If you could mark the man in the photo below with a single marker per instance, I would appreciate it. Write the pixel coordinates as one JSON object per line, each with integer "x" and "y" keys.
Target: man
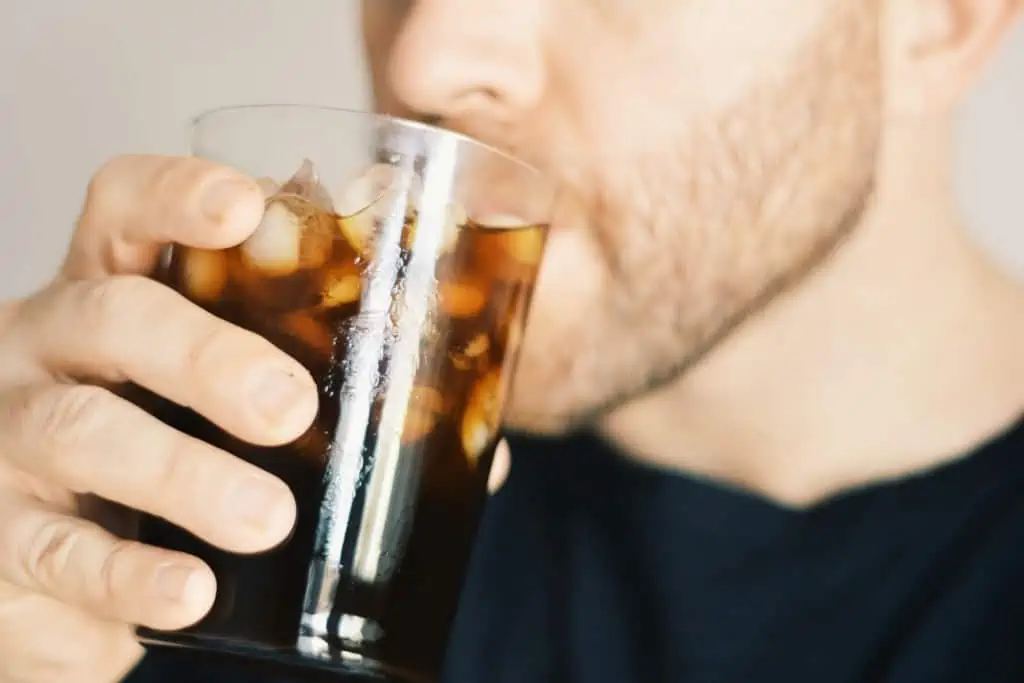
{"x": 768, "y": 400}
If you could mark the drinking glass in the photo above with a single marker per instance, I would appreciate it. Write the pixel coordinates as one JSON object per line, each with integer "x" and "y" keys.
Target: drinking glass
{"x": 396, "y": 262}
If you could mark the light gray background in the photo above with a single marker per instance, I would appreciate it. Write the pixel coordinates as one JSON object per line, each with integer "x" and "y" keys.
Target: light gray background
{"x": 85, "y": 79}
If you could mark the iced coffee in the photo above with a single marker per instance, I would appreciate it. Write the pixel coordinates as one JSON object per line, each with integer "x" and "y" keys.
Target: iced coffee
{"x": 408, "y": 312}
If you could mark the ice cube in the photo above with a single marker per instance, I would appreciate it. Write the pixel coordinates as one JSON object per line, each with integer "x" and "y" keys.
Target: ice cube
{"x": 312, "y": 333}
{"x": 418, "y": 424}
{"x": 341, "y": 287}
{"x": 305, "y": 183}
{"x": 456, "y": 218}
{"x": 275, "y": 248}
{"x": 205, "y": 273}
{"x": 466, "y": 357}
{"x": 367, "y": 199}
{"x": 477, "y": 346}
{"x": 480, "y": 421}
{"x": 293, "y": 234}
{"x": 425, "y": 406}
{"x": 461, "y": 299}
{"x": 523, "y": 241}
{"x": 525, "y": 246}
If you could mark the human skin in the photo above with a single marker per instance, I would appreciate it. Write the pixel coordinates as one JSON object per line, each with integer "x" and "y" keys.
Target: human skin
{"x": 757, "y": 272}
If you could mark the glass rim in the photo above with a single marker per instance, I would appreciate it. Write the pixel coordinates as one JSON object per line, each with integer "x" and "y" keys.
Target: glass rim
{"x": 196, "y": 121}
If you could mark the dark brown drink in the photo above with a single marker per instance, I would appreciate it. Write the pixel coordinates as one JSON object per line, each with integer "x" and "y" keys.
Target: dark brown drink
{"x": 391, "y": 478}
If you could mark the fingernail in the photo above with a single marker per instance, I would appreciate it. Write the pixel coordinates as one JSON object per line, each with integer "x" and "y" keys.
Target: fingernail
{"x": 277, "y": 394}
{"x": 220, "y": 198}
{"x": 173, "y": 581}
{"x": 261, "y": 503}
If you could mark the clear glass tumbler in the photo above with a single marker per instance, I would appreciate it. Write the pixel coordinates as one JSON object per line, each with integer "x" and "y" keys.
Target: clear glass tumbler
{"x": 396, "y": 261}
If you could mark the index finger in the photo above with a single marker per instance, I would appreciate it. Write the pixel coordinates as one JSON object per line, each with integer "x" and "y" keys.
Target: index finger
{"x": 135, "y": 205}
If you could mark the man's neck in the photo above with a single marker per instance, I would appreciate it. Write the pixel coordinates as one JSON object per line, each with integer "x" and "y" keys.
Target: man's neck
{"x": 901, "y": 353}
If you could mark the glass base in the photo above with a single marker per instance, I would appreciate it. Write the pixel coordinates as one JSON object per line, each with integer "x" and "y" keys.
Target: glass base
{"x": 334, "y": 665}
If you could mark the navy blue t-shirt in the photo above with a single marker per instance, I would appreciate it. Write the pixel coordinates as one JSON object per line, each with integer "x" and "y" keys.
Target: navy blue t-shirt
{"x": 591, "y": 569}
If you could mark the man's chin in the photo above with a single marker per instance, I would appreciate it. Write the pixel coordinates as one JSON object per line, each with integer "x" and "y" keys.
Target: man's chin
{"x": 534, "y": 418}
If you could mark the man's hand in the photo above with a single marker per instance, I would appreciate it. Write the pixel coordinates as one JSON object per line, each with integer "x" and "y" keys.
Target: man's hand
{"x": 70, "y": 592}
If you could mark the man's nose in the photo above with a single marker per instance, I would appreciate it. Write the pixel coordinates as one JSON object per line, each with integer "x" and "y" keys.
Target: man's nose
{"x": 474, "y": 62}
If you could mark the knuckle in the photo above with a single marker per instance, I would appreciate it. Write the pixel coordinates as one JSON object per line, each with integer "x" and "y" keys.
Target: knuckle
{"x": 107, "y": 176}
{"x": 181, "y": 178}
{"x": 210, "y": 344}
{"x": 9, "y": 312}
{"x": 176, "y": 473}
{"x": 75, "y": 413}
{"x": 22, "y": 334}
{"x": 111, "y": 582}
{"x": 114, "y": 298}
{"x": 105, "y": 188}
{"x": 65, "y": 417}
{"x": 111, "y": 308}
{"x": 140, "y": 183}
{"x": 50, "y": 553}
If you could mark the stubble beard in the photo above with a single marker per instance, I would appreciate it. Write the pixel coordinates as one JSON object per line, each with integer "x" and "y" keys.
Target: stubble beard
{"x": 696, "y": 241}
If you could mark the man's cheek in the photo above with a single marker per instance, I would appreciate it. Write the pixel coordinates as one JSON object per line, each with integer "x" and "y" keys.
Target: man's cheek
{"x": 717, "y": 61}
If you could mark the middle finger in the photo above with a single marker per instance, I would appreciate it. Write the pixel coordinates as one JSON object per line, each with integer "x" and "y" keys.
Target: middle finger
{"x": 91, "y": 441}
{"x": 133, "y": 328}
